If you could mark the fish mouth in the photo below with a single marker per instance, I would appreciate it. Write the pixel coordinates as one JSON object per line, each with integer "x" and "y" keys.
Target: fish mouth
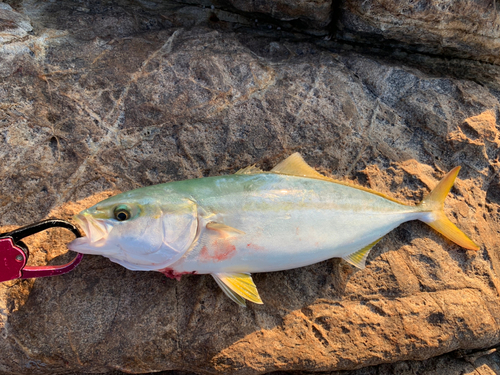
{"x": 96, "y": 233}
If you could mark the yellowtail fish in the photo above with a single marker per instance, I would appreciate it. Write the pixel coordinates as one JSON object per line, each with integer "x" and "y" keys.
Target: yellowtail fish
{"x": 252, "y": 221}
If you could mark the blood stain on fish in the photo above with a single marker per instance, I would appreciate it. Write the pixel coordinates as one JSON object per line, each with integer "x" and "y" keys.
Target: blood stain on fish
{"x": 171, "y": 274}
{"x": 221, "y": 249}
{"x": 255, "y": 247}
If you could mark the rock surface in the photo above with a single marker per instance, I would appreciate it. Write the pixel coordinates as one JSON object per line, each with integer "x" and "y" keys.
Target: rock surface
{"x": 463, "y": 28}
{"x": 484, "y": 362}
{"x": 314, "y": 13}
{"x": 100, "y": 98}
{"x": 14, "y": 25}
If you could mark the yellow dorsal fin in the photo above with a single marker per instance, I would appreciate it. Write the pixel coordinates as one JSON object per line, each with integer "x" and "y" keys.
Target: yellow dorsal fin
{"x": 237, "y": 285}
{"x": 223, "y": 228}
{"x": 251, "y": 169}
{"x": 294, "y": 165}
{"x": 358, "y": 258}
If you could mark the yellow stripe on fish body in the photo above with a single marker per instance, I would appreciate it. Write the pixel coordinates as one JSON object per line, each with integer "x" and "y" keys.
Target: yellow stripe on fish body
{"x": 253, "y": 221}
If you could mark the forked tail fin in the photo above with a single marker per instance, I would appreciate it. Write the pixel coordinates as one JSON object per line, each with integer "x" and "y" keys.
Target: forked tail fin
{"x": 434, "y": 203}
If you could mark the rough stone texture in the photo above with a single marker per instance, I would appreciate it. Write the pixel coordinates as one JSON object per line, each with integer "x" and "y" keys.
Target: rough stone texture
{"x": 310, "y": 15}
{"x": 13, "y": 25}
{"x": 105, "y": 97}
{"x": 480, "y": 363}
{"x": 315, "y": 13}
{"x": 463, "y": 28}
{"x": 483, "y": 362}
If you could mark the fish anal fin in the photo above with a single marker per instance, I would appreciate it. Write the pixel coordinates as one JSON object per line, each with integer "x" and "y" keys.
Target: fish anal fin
{"x": 238, "y": 287}
{"x": 251, "y": 169}
{"x": 219, "y": 227}
{"x": 358, "y": 258}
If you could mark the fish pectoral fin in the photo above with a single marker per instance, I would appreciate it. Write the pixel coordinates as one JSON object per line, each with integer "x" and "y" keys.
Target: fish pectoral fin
{"x": 251, "y": 169}
{"x": 296, "y": 166}
{"x": 223, "y": 228}
{"x": 238, "y": 287}
{"x": 358, "y": 258}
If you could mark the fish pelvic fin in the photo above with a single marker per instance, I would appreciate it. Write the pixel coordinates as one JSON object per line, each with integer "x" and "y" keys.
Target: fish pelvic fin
{"x": 434, "y": 203}
{"x": 238, "y": 287}
{"x": 358, "y": 258}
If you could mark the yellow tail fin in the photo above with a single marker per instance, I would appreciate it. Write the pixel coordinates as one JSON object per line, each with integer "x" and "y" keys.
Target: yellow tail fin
{"x": 434, "y": 203}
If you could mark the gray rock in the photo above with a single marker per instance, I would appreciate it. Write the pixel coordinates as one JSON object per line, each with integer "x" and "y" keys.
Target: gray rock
{"x": 465, "y": 28}
{"x": 307, "y": 14}
{"x": 315, "y": 13}
{"x": 13, "y": 25}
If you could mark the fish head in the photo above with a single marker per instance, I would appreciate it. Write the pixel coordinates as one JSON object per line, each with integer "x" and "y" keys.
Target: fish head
{"x": 138, "y": 230}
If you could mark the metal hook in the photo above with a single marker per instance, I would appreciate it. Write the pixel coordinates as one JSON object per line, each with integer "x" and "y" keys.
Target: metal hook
{"x": 14, "y": 253}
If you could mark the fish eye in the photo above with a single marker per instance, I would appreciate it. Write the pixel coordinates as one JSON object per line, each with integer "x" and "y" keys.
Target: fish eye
{"x": 122, "y": 213}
